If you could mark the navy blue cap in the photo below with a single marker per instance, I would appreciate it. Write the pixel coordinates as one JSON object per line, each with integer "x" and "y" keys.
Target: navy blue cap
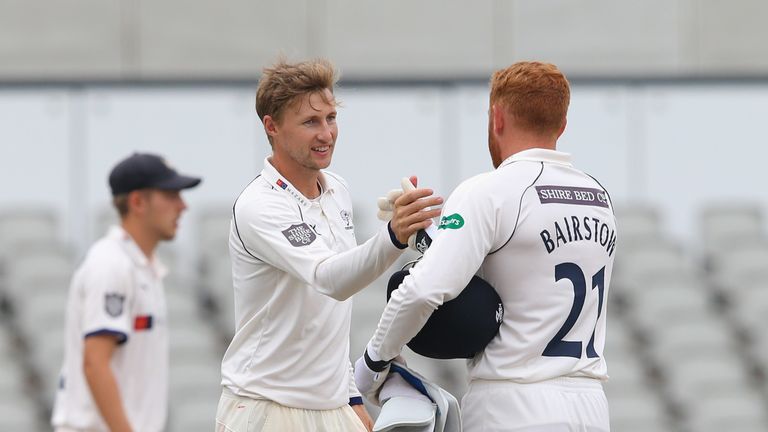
{"x": 143, "y": 171}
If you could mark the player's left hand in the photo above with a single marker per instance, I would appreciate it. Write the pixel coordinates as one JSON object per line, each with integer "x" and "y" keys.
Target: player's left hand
{"x": 368, "y": 381}
{"x": 386, "y": 204}
{"x": 364, "y": 416}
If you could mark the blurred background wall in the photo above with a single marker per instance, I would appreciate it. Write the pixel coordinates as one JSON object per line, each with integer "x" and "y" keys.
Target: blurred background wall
{"x": 678, "y": 145}
{"x": 398, "y": 39}
{"x": 668, "y": 98}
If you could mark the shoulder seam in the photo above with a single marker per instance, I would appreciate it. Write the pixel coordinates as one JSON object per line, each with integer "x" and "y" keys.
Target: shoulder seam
{"x": 520, "y": 206}
{"x": 338, "y": 179}
{"x": 604, "y": 190}
{"x": 234, "y": 220}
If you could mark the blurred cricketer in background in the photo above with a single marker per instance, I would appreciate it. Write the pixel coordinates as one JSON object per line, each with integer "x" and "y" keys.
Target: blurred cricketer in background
{"x": 115, "y": 373}
{"x": 543, "y": 234}
{"x": 295, "y": 265}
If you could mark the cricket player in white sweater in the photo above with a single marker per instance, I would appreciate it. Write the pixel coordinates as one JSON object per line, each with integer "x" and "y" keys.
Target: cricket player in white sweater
{"x": 295, "y": 265}
{"x": 543, "y": 234}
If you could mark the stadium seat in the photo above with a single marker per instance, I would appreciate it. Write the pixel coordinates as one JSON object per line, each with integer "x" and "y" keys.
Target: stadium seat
{"x": 748, "y": 305}
{"x": 638, "y": 224}
{"x": 38, "y": 268}
{"x": 11, "y": 375}
{"x": 693, "y": 379}
{"x": 726, "y": 224}
{"x": 637, "y": 412}
{"x": 742, "y": 411}
{"x": 195, "y": 342}
{"x": 748, "y": 260}
{"x": 20, "y": 414}
{"x": 194, "y": 381}
{"x": 213, "y": 230}
{"x": 27, "y": 225}
{"x": 216, "y": 282}
{"x": 668, "y": 301}
{"x": 43, "y": 313}
{"x": 627, "y": 374}
{"x": 193, "y": 415}
{"x": 182, "y": 301}
{"x": 46, "y": 359}
{"x": 657, "y": 260}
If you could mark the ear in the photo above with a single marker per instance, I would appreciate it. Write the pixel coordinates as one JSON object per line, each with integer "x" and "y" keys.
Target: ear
{"x": 562, "y": 128}
{"x": 137, "y": 202}
{"x": 497, "y": 119}
{"x": 270, "y": 126}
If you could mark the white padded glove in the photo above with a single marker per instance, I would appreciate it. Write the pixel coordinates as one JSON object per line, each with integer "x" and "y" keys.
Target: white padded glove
{"x": 387, "y": 204}
{"x": 422, "y": 239}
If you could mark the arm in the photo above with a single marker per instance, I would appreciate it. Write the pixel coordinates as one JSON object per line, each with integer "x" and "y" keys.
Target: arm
{"x": 106, "y": 322}
{"x": 269, "y": 232}
{"x": 356, "y": 401}
{"x": 369, "y": 263}
{"x": 98, "y": 373}
{"x": 467, "y": 235}
{"x": 365, "y": 418}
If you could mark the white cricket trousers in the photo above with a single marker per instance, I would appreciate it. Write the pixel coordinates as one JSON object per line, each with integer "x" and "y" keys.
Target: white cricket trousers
{"x": 558, "y": 405}
{"x": 242, "y": 414}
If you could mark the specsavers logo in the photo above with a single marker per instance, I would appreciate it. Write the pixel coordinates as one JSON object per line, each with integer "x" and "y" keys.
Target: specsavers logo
{"x": 454, "y": 221}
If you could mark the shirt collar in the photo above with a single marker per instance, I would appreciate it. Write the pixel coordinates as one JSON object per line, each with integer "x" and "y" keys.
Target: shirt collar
{"x": 279, "y": 182}
{"x": 134, "y": 251}
{"x": 539, "y": 155}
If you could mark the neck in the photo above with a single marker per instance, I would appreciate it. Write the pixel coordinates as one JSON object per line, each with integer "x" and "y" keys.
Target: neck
{"x": 521, "y": 141}
{"x": 146, "y": 242}
{"x": 305, "y": 180}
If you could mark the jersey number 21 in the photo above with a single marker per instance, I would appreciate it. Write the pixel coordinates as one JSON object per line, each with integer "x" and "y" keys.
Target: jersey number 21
{"x": 558, "y": 347}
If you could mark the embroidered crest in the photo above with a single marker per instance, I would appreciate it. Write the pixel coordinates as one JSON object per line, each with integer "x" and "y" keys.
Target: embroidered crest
{"x": 113, "y": 304}
{"x": 347, "y": 218}
{"x": 299, "y": 235}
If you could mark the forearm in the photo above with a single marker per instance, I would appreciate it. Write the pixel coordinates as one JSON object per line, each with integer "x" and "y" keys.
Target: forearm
{"x": 344, "y": 274}
{"x": 363, "y": 415}
{"x": 405, "y": 314}
{"x": 106, "y": 395}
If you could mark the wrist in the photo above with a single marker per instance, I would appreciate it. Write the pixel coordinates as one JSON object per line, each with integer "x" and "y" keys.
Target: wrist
{"x": 374, "y": 363}
{"x": 393, "y": 237}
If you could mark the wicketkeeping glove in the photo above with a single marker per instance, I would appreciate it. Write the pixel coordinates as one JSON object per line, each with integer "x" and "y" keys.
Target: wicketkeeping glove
{"x": 386, "y": 204}
{"x": 422, "y": 239}
{"x": 370, "y": 376}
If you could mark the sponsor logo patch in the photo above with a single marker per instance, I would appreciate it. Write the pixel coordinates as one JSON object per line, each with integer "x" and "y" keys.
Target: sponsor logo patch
{"x": 423, "y": 241}
{"x": 572, "y": 195}
{"x": 282, "y": 184}
{"x": 454, "y": 221}
{"x": 113, "y": 304}
{"x": 299, "y": 235}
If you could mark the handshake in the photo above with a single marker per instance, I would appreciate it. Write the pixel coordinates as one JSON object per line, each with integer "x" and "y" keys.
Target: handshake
{"x": 421, "y": 231}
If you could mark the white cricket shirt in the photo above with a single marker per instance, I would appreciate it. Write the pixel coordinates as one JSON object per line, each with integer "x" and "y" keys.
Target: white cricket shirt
{"x": 295, "y": 263}
{"x": 543, "y": 234}
{"x": 117, "y": 290}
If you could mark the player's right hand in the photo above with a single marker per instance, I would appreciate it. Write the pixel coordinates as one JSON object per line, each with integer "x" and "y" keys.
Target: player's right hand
{"x": 413, "y": 210}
